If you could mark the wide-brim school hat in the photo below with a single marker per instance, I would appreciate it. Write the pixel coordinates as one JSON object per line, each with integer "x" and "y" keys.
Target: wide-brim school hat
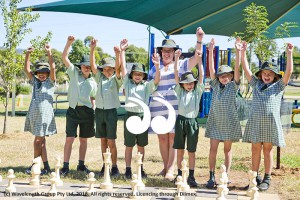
{"x": 85, "y": 60}
{"x": 187, "y": 77}
{"x": 168, "y": 43}
{"x": 224, "y": 69}
{"x": 269, "y": 66}
{"x": 107, "y": 62}
{"x": 139, "y": 68}
{"x": 42, "y": 67}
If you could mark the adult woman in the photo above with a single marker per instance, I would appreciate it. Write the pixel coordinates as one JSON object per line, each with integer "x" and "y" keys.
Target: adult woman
{"x": 165, "y": 91}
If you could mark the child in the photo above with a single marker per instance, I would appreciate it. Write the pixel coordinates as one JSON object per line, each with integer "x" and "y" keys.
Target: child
{"x": 107, "y": 103}
{"x": 137, "y": 86}
{"x": 81, "y": 90}
{"x": 40, "y": 119}
{"x": 264, "y": 129}
{"x": 189, "y": 91}
{"x": 223, "y": 122}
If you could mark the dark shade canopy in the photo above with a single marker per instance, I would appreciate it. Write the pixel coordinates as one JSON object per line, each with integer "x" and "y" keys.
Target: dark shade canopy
{"x": 217, "y": 17}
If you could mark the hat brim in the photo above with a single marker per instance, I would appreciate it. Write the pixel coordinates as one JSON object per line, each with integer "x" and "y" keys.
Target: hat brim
{"x": 189, "y": 81}
{"x": 82, "y": 63}
{"x": 145, "y": 77}
{"x": 257, "y": 73}
{"x": 171, "y": 47}
{"x": 106, "y": 65}
{"x": 221, "y": 73}
{"x": 44, "y": 70}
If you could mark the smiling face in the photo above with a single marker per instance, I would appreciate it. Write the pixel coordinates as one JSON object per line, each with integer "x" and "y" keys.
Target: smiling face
{"x": 225, "y": 78}
{"x": 267, "y": 76}
{"x": 167, "y": 55}
{"x": 42, "y": 76}
{"x": 137, "y": 77}
{"x": 86, "y": 70}
{"x": 188, "y": 86}
{"x": 108, "y": 71}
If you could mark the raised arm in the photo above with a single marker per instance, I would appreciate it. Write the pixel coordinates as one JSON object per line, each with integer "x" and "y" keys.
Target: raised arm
{"x": 65, "y": 58}
{"x": 245, "y": 64}
{"x": 289, "y": 63}
{"x": 27, "y": 63}
{"x": 51, "y": 62}
{"x": 177, "y": 56}
{"x": 199, "y": 34}
{"x": 198, "y": 55}
{"x": 117, "y": 64}
{"x": 156, "y": 62}
{"x": 238, "y": 47}
{"x": 92, "y": 56}
{"x": 123, "y": 47}
{"x": 211, "y": 62}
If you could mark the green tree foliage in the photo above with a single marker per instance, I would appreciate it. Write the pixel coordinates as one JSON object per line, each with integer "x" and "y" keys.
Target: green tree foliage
{"x": 257, "y": 23}
{"x": 136, "y": 55}
{"x": 38, "y": 44}
{"x": 16, "y": 27}
{"x": 78, "y": 50}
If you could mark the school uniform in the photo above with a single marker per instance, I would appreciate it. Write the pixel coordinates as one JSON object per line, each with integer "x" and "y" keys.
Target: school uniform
{"x": 223, "y": 122}
{"x": 264, "y": 124}
{"x": 40, "y": 119}
{"x": 186, "y": 126}
{"x": 80, "y": 111}
{"x": 141, "y": 91}
{"x": 107, "y": 103}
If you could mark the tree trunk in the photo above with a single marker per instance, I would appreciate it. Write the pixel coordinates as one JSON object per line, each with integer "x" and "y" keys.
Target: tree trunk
{"x": 6, "y": 112}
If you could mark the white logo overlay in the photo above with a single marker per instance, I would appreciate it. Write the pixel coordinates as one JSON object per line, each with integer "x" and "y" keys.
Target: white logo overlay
{"x": 159, "y": 124}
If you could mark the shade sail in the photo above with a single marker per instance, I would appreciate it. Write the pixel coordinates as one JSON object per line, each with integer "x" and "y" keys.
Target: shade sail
{"x": 217, "y": 17}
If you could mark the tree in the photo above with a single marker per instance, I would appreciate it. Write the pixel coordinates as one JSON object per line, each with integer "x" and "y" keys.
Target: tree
{"x": 256, "y": 19}
{"x": 11, "y": 62}
{"x": 136, "y": 55}
{"x": 78, "y": 50}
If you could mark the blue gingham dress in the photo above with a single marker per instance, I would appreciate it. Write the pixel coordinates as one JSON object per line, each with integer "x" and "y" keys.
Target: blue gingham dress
{"x": 223, "y": 122}
{"x": 165, "y": 90}
{"x": 40, "y": 119}
{"x": 264, "y": 124}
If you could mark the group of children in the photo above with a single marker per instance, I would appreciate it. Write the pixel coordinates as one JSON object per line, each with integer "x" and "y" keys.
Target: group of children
{"x": 96, "y": 99}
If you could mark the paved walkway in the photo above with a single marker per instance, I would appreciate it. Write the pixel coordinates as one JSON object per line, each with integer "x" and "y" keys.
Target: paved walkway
{"x": 77, "y": 191}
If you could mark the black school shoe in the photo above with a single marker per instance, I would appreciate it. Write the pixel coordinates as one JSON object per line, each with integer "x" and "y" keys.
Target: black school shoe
{"x": 192, "y": 182}
{"x": 265, "y": 184}
{"x": 210, "y": 184}
{"x": 46, "y": 171}
{"x": 114, "y": 172}
{"x": 83, "y": 168}
{"x": 258, "y": 181}
{"x": 101, "y": 173}
{"x": 128, "y": 173}
{"x": 64, "y": 171}
{"x": 143, "y": 173}
{"x": 28, "y": 170}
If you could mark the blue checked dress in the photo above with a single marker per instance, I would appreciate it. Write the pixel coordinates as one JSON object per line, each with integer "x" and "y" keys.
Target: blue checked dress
{"x": 40, "y": 119}
{"x": 223, "y": 122}
{"x": 264, "y": 124}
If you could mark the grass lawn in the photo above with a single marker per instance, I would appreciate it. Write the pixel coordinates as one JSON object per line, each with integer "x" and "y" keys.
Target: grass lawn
{"x": 16, "y": 149}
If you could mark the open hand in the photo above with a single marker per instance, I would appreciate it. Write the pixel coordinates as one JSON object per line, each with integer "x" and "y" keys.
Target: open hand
{"x": 123, "y": 44}
{"x": 156, "y": 58}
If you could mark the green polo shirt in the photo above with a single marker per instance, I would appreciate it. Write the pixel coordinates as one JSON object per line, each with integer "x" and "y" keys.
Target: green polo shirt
{"x": 107, "y": 96}
{"x": 80, "y": 89}
{"x": 189, "y": 102}
{"x": 141, "y": 91}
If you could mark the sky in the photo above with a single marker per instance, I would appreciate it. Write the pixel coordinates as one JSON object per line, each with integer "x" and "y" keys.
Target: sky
{"x": 108, "y": 31}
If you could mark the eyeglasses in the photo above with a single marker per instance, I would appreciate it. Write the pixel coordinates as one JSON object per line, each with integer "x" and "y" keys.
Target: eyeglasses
{"x": 167, "y": 51}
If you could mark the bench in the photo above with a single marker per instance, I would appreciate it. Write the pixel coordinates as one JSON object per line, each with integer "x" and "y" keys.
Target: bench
{"x": 59, "y": 94}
